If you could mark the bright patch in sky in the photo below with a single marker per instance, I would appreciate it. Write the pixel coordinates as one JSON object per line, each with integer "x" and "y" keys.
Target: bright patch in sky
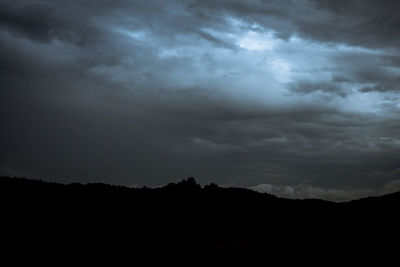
{"x": 256, "y": 41}
{"x": 137, "y": 35}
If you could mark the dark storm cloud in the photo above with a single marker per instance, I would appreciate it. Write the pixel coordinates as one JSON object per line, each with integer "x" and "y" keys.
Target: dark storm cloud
{"x": 370, "y": 23}
{"x": 214, "y": 40}
{"x": 365, "y": 23}
{"x": 306, "y": 87}
{"x": 379, "y": 72}
{"x": 45, "y": 22}
{"x": 276, "y": 93}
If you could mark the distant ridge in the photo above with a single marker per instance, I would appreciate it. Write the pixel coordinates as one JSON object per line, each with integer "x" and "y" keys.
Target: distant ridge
{"x": 186, "y": 185}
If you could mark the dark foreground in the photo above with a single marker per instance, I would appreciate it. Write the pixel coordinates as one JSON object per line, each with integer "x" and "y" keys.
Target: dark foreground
{"x": 103, "y": 222}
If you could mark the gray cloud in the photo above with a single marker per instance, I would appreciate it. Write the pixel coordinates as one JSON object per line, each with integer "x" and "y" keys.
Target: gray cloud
{"x": 307, "y": 87}
{"x": 46, "y": 22}
{"x": 233, "y": 92}
{"x": 369, "y": 23}
{"x": 361, "y": 23}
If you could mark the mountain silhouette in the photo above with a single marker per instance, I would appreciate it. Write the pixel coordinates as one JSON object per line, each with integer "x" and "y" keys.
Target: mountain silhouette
{"x": 100, "y": 220}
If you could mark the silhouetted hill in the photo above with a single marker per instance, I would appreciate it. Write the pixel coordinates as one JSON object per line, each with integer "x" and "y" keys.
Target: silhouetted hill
{"x": 106, "y": 221}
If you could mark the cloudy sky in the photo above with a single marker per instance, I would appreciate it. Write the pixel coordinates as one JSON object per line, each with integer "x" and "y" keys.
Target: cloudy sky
{"x": 295, "y": 97}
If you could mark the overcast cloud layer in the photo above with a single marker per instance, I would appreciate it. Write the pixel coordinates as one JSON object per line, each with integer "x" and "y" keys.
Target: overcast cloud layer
{"x": 241, "y": 93}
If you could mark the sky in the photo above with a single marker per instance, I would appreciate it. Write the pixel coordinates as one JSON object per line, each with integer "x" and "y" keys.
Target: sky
{"x": 300, "y": 98}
